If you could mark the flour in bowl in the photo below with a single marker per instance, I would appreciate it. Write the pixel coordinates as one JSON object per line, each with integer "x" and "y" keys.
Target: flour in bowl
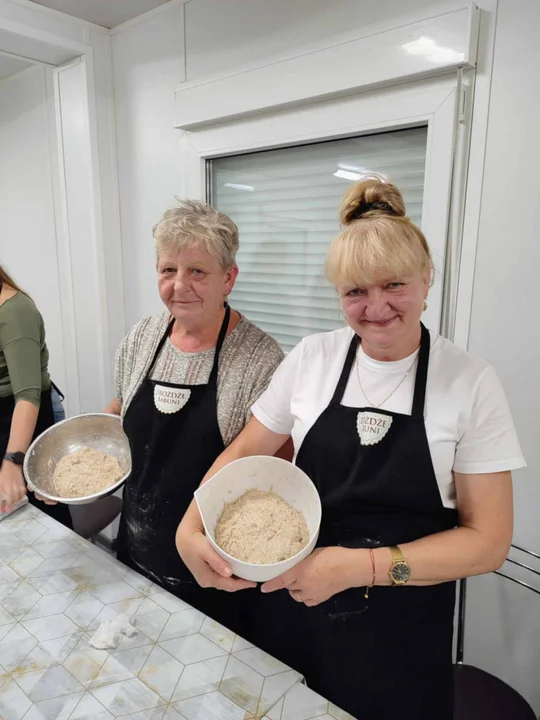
{"x": 260, "y": 527}
{"x": 86, "y": 472}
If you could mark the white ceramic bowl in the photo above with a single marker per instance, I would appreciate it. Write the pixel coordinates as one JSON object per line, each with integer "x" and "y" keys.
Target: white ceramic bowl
{"x": 98, "y": 431}
{"x": 260, "y": 472}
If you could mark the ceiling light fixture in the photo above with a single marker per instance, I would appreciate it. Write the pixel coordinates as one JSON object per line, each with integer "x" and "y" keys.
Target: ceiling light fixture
{"x": 238, "y": 186}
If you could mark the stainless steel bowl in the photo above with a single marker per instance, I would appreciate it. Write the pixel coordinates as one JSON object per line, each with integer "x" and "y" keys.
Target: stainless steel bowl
{"x": 98, "y": 431}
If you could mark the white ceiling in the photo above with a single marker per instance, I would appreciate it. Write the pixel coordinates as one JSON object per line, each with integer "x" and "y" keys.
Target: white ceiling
{"x": 11, "y": 66}
{"x": 107, "y": 13}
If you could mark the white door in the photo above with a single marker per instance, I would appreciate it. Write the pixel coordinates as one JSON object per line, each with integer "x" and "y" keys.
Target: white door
{"x": 28, "y": 246}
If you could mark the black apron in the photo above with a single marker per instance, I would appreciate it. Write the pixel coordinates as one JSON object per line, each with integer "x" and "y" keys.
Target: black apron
{"x": 170, "y": 454}
{"x": 45, "y": 420}
{"x": 389, "y": 655}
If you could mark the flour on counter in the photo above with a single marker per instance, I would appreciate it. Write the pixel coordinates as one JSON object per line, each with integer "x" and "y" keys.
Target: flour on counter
{"x": 110, "y": 632}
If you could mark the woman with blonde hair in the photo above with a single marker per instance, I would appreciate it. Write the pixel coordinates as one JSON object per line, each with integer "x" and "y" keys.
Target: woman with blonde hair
{"x": 186, "y": 380}
{"x": 410, "y": 442}
{"x": 25, "y": 392}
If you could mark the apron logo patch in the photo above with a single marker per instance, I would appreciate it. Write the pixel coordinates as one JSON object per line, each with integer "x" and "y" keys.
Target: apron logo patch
{"x": 372, "y": 427}
{"x": 170, "y": 400}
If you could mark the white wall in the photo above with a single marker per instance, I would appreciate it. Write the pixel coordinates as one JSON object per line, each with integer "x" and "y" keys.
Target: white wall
{"x": 27, "y": 220}
{"x": 83, "y": 293}
{"x": 504, "y": 320}
{"x": 148, "y": 61}
{"x": 503, "y": 626}
{"x": 221, "y": 36}
{"x": 107, "y": 231}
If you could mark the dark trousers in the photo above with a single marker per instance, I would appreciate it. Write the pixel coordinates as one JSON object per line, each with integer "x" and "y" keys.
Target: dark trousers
{"x": 45, "y": 420}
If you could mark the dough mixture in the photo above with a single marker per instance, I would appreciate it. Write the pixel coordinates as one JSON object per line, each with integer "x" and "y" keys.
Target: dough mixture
{"x": 260, "y": 527}
{"x": 85, "y": 472}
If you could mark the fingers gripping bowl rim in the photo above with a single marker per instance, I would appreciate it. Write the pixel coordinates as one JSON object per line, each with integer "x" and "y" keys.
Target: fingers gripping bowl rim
{"x": 260, "y": 472}
{"x": 98, "y": 431}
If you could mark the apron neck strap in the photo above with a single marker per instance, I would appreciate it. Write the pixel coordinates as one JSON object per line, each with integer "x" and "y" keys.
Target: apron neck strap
{"x": 347, "y": 367}
{"x": 420, "y": 383}
{"x": 219, "y": 344}
{"x": 160, "y": 346}
{"x": 221, "y": 338}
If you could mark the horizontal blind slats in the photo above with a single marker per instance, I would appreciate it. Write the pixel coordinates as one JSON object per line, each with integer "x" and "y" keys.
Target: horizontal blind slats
{"x": 286, "y": 204}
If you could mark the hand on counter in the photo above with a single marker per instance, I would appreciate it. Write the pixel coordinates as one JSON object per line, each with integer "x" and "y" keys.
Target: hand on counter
{"x": 324, "y": 573}
{"x": 12, "y": 486}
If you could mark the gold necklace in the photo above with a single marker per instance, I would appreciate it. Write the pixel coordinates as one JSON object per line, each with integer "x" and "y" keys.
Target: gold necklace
{"x": 400, "y": 383}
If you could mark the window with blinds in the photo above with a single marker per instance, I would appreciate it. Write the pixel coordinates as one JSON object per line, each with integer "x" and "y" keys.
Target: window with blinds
{"x": 285, "y": 203}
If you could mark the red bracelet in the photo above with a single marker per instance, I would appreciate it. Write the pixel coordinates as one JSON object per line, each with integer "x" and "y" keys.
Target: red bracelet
{"x": 372, "y": 558}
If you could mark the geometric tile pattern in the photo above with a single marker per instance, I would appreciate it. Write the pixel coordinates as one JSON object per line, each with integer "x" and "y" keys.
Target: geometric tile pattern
{"x": 56, "y": 589}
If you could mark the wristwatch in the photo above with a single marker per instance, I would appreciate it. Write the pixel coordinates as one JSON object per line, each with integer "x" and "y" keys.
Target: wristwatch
{"x": 15, "y": 457}
{"x": 400, "y": 572}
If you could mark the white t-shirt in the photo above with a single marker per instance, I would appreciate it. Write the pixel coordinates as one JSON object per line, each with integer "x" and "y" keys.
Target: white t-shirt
{"x": 468, "y": 421}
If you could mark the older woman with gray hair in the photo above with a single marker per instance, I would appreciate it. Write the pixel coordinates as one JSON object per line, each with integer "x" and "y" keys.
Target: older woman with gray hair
{"x": 186, "y": 380}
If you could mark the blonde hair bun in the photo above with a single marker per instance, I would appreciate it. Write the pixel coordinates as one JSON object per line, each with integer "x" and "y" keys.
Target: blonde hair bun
{"x": 371, "y": 198}
{"x": 377, "y": 241}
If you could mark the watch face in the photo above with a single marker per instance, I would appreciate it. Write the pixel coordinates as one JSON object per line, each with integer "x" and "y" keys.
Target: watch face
{"x": 401, "y": 572}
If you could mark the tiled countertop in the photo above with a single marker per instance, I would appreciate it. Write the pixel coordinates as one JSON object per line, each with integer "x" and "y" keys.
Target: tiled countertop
{"x": 56, "y": 589}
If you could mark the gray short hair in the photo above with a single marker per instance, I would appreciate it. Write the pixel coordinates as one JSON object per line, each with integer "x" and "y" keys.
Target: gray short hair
{"x": 191, "y": 222}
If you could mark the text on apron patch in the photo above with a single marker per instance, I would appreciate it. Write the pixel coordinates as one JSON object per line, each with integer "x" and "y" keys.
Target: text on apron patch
{"x": 372, "y": 427}
{"x": 170, "y": 400}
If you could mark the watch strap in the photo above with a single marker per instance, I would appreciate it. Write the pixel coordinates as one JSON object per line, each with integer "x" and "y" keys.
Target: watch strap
{"x": 15, "y": 457}
{"x": 397, "y": 555}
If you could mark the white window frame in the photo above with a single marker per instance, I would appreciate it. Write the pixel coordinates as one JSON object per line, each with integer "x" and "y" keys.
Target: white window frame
{"x": 433, "y": 103}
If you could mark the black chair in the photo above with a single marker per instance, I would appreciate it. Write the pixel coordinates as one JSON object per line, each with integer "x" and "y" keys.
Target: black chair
{"x": 481, "y": 696}
{"x": 89, "y": 520}
{"x": 478, "y": 695}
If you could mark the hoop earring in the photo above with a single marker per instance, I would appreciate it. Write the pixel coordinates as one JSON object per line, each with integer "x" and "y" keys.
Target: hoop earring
{"x": 425, "y": 305}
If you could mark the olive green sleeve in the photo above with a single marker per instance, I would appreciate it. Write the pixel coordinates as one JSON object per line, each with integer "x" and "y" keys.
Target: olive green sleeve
{"x": 20, "y": 343}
